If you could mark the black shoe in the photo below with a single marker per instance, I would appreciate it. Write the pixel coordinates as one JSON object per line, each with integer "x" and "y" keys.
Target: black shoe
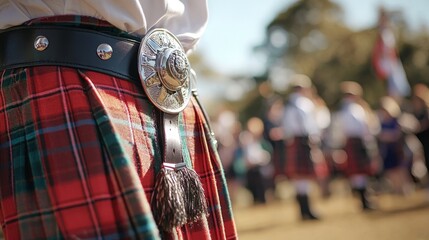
{"x": 366, "y": 204}
{"x": 309, "y": 216}
{"x": 306, "y": 213}
{"x": 368, "y": 207}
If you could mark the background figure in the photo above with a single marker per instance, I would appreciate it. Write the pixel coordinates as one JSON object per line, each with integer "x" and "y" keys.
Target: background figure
{"x": 323, "y": 121}
{"x": 355, "y": 127}
{"x": 273, "y": 132}
{"x": 257, "y": 157}
{"x": 391, "y": 141}
{"x": 228, "y": 129}
{"x": 303, "y": 138}
{"x": 420, "y": 109}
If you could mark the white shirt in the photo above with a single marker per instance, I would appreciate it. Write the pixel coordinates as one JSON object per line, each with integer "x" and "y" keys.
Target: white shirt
{"x": 353, "y": 120}
{"x": 187, "y": 19}
{"x": 300, "y": 117}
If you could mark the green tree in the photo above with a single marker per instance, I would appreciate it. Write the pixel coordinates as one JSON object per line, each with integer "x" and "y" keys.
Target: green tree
{"x": 321, "y": 46}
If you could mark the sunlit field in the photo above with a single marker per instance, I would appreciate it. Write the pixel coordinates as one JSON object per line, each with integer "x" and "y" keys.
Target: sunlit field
{"x": 396, "y": 217}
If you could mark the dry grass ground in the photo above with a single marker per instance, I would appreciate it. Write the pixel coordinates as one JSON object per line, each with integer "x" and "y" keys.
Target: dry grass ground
{"x": 397, "y": 217}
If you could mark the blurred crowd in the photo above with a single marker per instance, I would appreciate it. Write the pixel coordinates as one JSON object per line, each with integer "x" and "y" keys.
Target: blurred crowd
{"x": 300, "y": 140}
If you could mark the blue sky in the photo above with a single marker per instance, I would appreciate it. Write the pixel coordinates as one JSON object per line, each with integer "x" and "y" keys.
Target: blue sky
{"x": 235, "y": 26}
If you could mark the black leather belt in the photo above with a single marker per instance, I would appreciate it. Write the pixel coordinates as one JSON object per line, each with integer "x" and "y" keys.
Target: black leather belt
{"x": 69, "y": 47}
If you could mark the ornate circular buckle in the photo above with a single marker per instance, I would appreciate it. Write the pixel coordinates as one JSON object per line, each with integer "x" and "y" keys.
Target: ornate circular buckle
{"x": 164, "y": 71}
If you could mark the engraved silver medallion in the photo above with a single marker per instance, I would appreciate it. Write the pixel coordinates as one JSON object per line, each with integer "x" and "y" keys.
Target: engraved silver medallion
{"x": 164, "y": 71}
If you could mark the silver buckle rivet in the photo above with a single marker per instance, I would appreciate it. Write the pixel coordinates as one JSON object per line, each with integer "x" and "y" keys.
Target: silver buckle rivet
{"x": 104, "y": 51}
{"x": 41, "y": 43}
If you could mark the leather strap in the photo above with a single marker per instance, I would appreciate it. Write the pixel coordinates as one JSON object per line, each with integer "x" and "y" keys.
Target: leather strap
{"x": 69, "y": 47}
{"x": 172, "y": 144}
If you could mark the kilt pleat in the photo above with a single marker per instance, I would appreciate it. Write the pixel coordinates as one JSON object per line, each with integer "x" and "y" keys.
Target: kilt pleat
{"x": 298, "y": 160}
{"x": 303, "y": 160}
{"x": 358, "y": 160}
{"x": 79, "y": 154}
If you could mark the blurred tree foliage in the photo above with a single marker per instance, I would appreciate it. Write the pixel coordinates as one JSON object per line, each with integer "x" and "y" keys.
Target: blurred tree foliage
{"x": 316, "y": 42}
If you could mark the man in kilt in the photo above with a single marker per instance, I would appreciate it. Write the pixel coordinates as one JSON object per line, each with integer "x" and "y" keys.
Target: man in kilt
{"x": 304, "y": 161}
{"x": 355, "y": 127}
{"x": 85, "y": 152}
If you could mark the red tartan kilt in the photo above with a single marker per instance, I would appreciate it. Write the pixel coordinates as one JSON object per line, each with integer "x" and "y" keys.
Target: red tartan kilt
{"x": 278, "y": 157}
{"x": 78, "y": 158}
{"x": 303, "y": 161}
{"x": 357, "y": 158}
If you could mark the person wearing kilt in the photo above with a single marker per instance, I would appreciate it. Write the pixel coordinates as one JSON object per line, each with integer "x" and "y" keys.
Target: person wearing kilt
{"x": 357, "y": 126}
{"x": 86, "y": 150}
{"x": 304, "y": 160}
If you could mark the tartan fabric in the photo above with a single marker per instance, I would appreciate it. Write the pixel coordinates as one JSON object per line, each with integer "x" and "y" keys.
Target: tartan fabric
{"x": 278, "y": 157}
{"x": 300, "y": 162}
{"x": 358, "y": 160}
{"x": 79, "y": 154}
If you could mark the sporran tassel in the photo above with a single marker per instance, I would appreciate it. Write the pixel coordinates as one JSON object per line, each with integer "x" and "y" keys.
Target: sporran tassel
{"x": 168, "y": 202}
{"x": 195, "y": 201}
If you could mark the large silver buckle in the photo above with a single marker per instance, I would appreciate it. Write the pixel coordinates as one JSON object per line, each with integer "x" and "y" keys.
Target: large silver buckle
{"x": 164, "y": 71}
